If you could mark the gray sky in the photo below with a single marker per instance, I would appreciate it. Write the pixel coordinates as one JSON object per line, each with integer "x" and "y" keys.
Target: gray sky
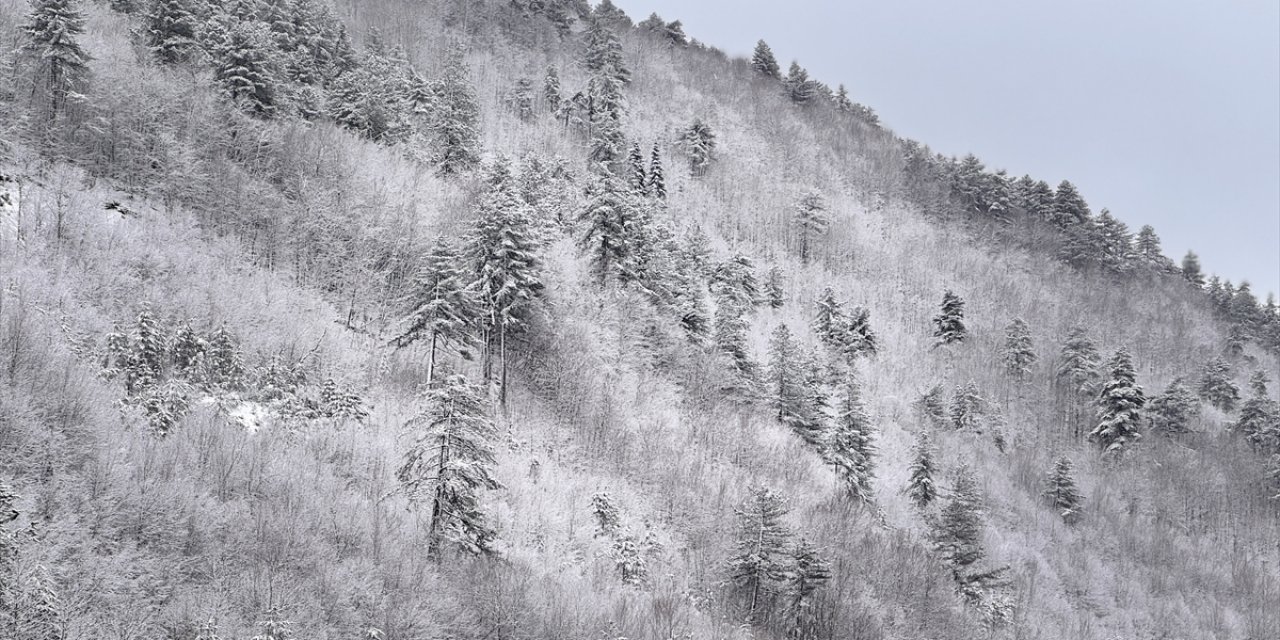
{"x": 1167, "y": 112}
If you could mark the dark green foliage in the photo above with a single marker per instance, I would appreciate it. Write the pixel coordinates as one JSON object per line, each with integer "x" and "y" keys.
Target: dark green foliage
{"x": 760, "y": 560}
{"x": 807, "y": 573}
{"x": 730, "y": 338}
{"x": 607, "y": 107}
{"x": 763, "y": 62}
{"x": 949, "y": 324}
{"x": 450, "y": 465}
{"x": 849, "y": 447}
{"x": 1216, "y": 386}
{"x": 1019, "y": 349}
{"x": 830, "y": 320}
{"x": 171, "y": 30}
{"x": 1115, "y": 251}
{"x": 859, "y": 338}
{"x": 636, "y": 177}
{"x": 58, "y": 65}
{"x": 1061, "y": 492}
{"x": 551, "y": 90}
{"x": 655, "y": 184}
{"x": 604, "y": 53}
{"x": 957, "y": 536}
{"x": 1147, "y": 249}
{"x": 798, "y": 86}
{"x": 812, "y": 222}
{"x": 1119, "y": 406}
{"x": 1069, "y": 209}
{"x": 442, "y": 305}
{"x": 1191, "y": 269}
{"x": 1171, "y": 412}
{"x": 244, "y": 69}
{"x": 1078, "y": 362}
{"x": 733, "y": 283}
{"x": 921, "y": 489}
{"x": 700, "y": 143}
{"x": 615, "y": 235}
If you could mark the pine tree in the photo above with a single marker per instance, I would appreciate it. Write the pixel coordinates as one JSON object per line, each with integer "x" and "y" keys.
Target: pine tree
{"x": 806, "y": 574}
{"x": 812, "y": 222}
{"x": 730, "y": 337}
{"x": 1116, "y": 243}
{"x": 636, "y": 177}
{"x": 1069, "y": 209}
{"x": 502, "y": 249}
{"x": 59, "y": 65}
{"x": 957, "y": 536}
{"x": 224, "y": 368}
{"x": 760, "y": 560}
{"x": 551, "y": 90}
{"x": 187, "y": 350}
{"x": 612, "y": 235}
{"x": 786, "y": 392}
{"x": 1216, "y": 386}
{"x": 1061, "y": 492}
{"x": 604, "y": 53}
{"x": 799, "y": 87}
{"x": 443, "y": 307}
{"x": 1259, "y": 420}
{"x": 1079, "y": 362}
{"x": 521, "y": 99}
{"x": 932, "y": 406}
{"x": 1191, "y": 269}
{"x": 763, "y": 62}
{"x": 243, "y": 68}
{"x": 774, "y": 294}
{"x": 843, "y": 103}
{"x": 1170, "y": 413}
{"x": 921, "y": 489}
{"x": 455, "y": 121}
{"x": 656, "y": 185}
{"x": 733, "y": 283}
{"x": 674, "y": 33}
{"x": 967, "y": 405}
{"x": 1119, "y": 406}
{"x": 849, "y": 446}
{"x": 1019, "y": 349}
{"x": 830, "y": 321}
{"x": 859, "y": 338}
{"x": 1147, "y": 248}
{"x": 949, "y": 323}
{"x": 607, "y": 107}
{"x": 450, "y": 464}
{"x": 700, "y": 143}
{"x": 171, "y": 30}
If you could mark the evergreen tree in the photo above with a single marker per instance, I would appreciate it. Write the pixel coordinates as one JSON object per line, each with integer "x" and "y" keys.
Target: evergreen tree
{"x": 656, "y": 185}
{"x": 859, "y": 338}
{"x": 759, "y": 563}
{"x": 1191, "y": 269}
{"x": 1069, "y": 209}
{"x": 773, "y": 291}
{"x": 957, "y": 536}
{"x": 171, "y": 30}
{"x": 674, "y": 33}
{"x": 763, "y": 62}
{"x": 830, "y": 321}
{"x": 1079, "y": 362}
{"x": 843, "y": 103}
{"x": 849, "y": 446}
{"x": 1170, "y": 413}
{"x": 730, "y": 336}
{"x": 187, "y": 350}
{"x": 455, "y": 122}
{"x": 785, "y": 379}
{"x": 442, "y": 304}
{"x": 1147, "y": 247}
{"x": 450, "y": 464}
{"x": 932, "y": 406}
{"x": 502, "y": 249}
{"x": 733, "y": 282}
{"x": 610, "y": 219}
{"x": 1036, "y": 198}
{"x": 967, "y": 406}
{"x": 799, "y": 87}
{"x": 521, "y": 99}
{"x": 243, "y": 68}
{"x": 224, "y": 368}
{"x": 1259, "y": 420}
{"x": 1216, "y": 386}
{"x": 606, "y": 111}
{"x": 59, "y": 65}
{"x": 551, "y": 90}
{"x": 1116, "y": 243}
{"x": 921, "y": 489}
{"x": 949, "y": 323}
{"x": 604, "y": 53}
{"x": 811, "y": 222}
{"x": 1119, "y": 406}
{"x": 1061, "y": 492}
{"x": 700, "y": 143}
{"x": 1019, "y": 349}
{"x": 636, "y": 177}
{"x": 806, "y": 574}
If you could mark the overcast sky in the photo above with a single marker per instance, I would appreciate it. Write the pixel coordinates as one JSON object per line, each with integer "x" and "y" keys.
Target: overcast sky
{"x": 1165, "y": 111}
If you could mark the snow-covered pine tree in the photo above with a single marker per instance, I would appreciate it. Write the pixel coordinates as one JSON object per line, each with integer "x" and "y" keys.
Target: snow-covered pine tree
{"x": 607, "y": 107}
{"x": 812, "y": 222}
{"x": 551, "y": 90}
{"x": 967, "y": 405}
{"x": 798, "y": 86}
{"x": 521, "y": 99}
{"x": 729, "y": 333}
{"x": 949, "y": 323}
{"x": 733, "y": 283}
{"x": 674, "y": 34}
{"x": 223, "y": 365}
{"x": 786, "y": 386}
{"x": 1119, "y": 406}
{"x": 1078, "y": 364}
{"x": 807, "y": 572}
{"x": 1069, "y": 209}
{"x": 1171, "y": 412}
{"x": 1115, "y": 250}
{"x": 830, "y": 321}
{"x": 774, "y": 294}
{"x": 1216, "y": 386}
{"x": 1259, "y": 420}
{"x": 636, "y": 177}
{"x": 1191, "y": 269}
{"x": 1147, "y": 248}
{"x": 843, "y": 103}
{"x": 244, "y": 69}
{"x": 957, "y": 536}
{"x": 58, "y": 65}
{"x": 759, "y": 562}
{"x": 1061, "y": 492}
{"x": 932, "y": 406}
{"x": 450, "y": 464}
{"x": 171, "y": 30}
{"x": 656, "y": 183}
{"x": 700, "y": 143}
{"x": 442, "y": 303}
{"x": 763, "y": 62}
{"x": 611, "y": 230}
{"x": 455, "y": 118}
{"x": 1019, "y": 349}
{"x": 921, "y": 488}
{"x": 186, "y": 350}
{"x": 849, "y": 447}
{"x": 859, "y": 338}
{"x": 604, "y": 53}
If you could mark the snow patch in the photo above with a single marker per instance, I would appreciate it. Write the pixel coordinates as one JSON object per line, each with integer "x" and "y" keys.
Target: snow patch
{"x": 249, "y": 415}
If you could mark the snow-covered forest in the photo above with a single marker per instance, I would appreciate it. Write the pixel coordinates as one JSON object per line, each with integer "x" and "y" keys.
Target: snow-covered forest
{"x": 528, "y": 319}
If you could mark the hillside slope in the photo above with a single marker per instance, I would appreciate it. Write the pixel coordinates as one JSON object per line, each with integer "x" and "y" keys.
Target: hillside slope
{"x": 254, "y": 490}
